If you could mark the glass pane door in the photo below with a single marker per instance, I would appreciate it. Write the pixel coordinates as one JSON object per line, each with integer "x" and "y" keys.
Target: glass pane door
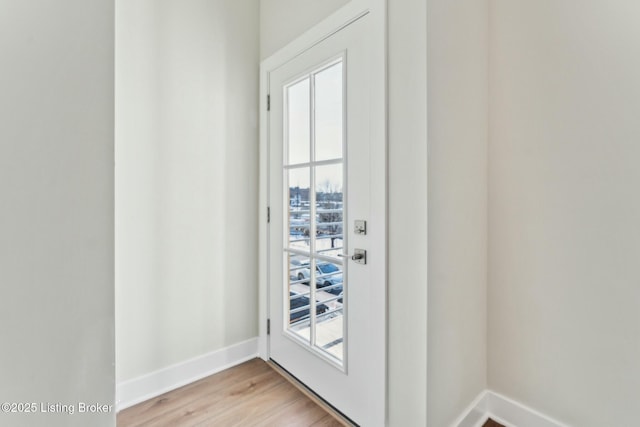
{"x": 314, "y": 189}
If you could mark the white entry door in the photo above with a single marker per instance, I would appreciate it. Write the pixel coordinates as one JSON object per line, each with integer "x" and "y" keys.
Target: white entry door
{"x": 327, "y": 227}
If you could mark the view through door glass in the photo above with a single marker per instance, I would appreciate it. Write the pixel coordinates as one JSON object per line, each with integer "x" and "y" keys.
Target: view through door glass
{"x": 314, "y": 163}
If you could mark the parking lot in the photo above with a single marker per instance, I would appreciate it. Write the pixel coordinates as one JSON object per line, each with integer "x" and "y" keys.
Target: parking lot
{"x": 327, "y": 243}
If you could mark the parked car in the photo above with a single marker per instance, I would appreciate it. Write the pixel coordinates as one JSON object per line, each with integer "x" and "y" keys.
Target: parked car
{"x": 296, "y": 267}
{"x": 300, "y": 302}
{"x": 327, "y": 274}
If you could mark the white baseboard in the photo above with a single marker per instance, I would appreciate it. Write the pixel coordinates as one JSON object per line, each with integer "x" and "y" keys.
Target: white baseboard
{"x": 503, "y": 410}
{"x": 136, "y": 390}
{"x": 476, "y": 413}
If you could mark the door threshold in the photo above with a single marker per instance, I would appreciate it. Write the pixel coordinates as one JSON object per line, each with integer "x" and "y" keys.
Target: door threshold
{"x": 339, "y": 416}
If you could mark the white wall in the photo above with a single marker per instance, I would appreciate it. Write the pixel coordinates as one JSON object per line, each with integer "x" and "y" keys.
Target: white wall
{"x": 56, "y": 220}
{"x": 186, "y": 180}
{"x": 564, "y": 323}
{"x": 281, "y": 21}
{"x": 407, "y": 286}
{"x": 457, "y": 34}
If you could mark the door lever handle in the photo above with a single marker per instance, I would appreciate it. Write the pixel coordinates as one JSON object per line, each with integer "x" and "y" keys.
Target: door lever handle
{"x": 353, "y": 257}
{"x": 359, "y": 256}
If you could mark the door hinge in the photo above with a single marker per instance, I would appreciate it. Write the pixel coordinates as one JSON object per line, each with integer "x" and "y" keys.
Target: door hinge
{"x": 268, "y": 326}
{"x": 268, "y": 214}
{"x": 268, "y": 102}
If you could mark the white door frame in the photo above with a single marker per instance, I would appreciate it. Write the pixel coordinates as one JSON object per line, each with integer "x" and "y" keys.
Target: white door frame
{"x": 377, "y": 10}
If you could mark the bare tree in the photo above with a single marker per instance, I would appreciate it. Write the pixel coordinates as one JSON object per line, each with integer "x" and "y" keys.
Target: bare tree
{"x": 329, "y": 199}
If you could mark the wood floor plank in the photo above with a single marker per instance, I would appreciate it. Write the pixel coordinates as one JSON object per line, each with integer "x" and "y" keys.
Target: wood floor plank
{"x": 249, "y": 395}
{"x": 210, "y": 405}
{"x": 327, "y": 421}
{"x": 301, "y": 412}
{"x": 172, "y": 401}
{"x": 491, "y": 423}
{"x": 342, "y": 421}
{"x": 251, "y": 411}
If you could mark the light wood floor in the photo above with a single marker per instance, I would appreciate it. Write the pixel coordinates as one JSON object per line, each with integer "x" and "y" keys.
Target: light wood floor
{"x": 251, "y": 394}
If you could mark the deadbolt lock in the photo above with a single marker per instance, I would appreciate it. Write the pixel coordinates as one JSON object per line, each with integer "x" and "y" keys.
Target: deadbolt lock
{"x": 360, "y": 227}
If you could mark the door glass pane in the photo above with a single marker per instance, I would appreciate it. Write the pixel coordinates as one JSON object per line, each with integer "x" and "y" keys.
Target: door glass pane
{"x": 330, "y": 282}
{"x": 298, "y": 122}
{"x": 328, "y": 113}
{"x": 299, "y": 215}
{"x": 314, "y": 220}
{"x": 329, "y": 300}
{"x": 299, "y": 296}
{"x": 329, "y": 210}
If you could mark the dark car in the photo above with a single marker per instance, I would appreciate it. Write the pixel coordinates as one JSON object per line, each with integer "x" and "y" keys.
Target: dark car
{"x": 302, "y": 302}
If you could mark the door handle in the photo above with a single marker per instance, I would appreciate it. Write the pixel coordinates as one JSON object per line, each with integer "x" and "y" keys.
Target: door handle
{"x": 359, "y": 256}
